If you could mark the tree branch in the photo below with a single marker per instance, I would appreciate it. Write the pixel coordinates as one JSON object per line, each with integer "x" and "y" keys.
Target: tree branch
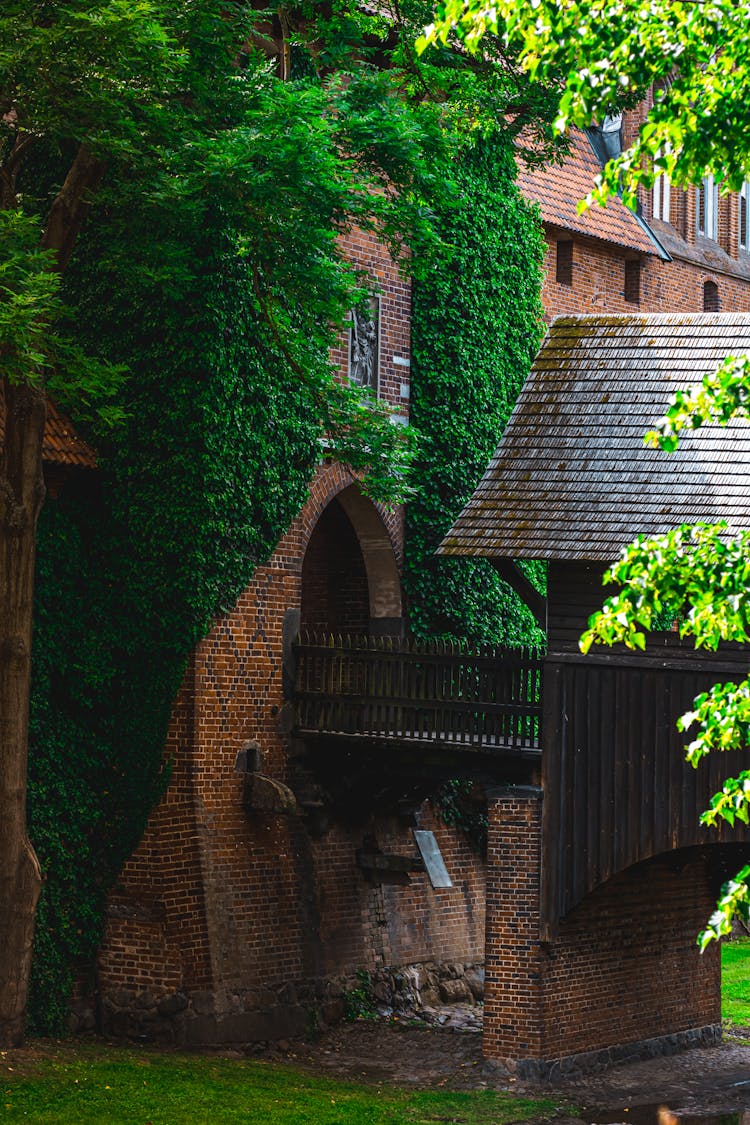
{"x": 71, "y": 205}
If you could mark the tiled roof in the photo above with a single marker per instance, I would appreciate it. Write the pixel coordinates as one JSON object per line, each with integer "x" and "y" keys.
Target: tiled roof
{"x": 572, "y": 479}
{"x": 61, "y": 445}
{"x": 559, "y": 188}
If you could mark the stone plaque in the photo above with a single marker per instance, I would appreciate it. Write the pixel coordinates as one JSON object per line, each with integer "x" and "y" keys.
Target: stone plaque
{"x": 433, "y": 860}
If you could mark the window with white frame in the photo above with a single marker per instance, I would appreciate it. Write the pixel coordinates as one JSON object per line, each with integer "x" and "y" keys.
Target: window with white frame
{"x": 744, "y": 217}
{"x": 661, "y": 198}
{"x": 707, "y": 208}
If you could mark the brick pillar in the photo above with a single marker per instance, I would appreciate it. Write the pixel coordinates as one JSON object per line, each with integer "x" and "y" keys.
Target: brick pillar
{"x": 513, "y": 1003}
{"x": 622, "y": 980}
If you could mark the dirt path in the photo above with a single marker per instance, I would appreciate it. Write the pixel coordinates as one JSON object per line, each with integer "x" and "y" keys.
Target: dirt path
{"x": 704, "y": 1082}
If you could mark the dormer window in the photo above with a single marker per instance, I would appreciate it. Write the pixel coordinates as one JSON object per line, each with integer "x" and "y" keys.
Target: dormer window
{"x": 707, "y": 208}
{"x": 612, "y": 136}
{"x": 744, "y": 217}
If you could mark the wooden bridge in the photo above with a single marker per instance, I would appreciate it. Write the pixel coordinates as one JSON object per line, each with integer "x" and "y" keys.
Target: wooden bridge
{"x": 438, "y": 693}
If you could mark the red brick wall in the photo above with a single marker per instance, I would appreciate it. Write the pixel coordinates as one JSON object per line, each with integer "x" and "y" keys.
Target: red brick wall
{"x": 625, "y": 967}
{"x": 599, "y": 277}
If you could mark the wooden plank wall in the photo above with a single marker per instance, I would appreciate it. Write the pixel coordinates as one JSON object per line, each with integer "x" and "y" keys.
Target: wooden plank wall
{"x": 617, "y": 789}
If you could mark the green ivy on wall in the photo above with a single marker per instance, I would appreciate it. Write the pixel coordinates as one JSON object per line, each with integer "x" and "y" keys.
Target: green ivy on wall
{"x": 477, "y": 323}
{"x": 193, "y": 491}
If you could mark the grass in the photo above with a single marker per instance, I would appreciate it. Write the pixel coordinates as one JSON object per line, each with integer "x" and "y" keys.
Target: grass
{"x": 87, "y": 1084}
{"x": 735, "y": 981}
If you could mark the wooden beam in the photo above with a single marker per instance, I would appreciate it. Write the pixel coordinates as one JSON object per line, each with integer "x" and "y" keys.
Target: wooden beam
{"x": 510, "y": 572}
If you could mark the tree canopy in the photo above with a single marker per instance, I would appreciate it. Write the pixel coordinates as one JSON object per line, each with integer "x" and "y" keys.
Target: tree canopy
{"x": 690, "y": 60}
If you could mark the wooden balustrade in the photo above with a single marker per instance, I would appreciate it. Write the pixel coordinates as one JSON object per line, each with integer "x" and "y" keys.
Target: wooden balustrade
{"x": 430, "y": 691}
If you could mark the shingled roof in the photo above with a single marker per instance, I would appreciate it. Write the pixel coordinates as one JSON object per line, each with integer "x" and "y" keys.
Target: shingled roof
{"x": 558, "y": 188}
{"x": 572, "y": 479}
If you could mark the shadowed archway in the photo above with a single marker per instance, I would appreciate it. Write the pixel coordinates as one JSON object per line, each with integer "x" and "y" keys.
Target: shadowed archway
{"x": 350, "y": 578}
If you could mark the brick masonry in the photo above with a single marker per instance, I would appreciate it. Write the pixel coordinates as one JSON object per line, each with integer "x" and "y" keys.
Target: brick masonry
{"x": 230, "y": 924}
{"x": 624, "y": 978}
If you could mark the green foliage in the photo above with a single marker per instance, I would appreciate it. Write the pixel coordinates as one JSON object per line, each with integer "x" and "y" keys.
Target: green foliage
{"x": 477, "y": 321}
{"x": 692, "y": 573}
{"x": 359, "y": 1002}
{"x": 720, "y": 396}
{"x": 735, "y": 981}
{"x": 608, "y": 57}
{"x": 458, "y": 804}
{"x": 30, "y": 302}
{"x": 734, "y": 902}
{"x": 35, "y": 342}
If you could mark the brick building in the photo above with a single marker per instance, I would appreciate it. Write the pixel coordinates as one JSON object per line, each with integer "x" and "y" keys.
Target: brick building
{"x": 248, "y": 905}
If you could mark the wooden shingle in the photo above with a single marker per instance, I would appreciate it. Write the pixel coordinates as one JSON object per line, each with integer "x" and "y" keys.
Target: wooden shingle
{"x": 572, "y": 479}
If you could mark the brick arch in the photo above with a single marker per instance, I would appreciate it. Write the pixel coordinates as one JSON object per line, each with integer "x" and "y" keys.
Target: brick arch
{"x": 337, "y": 486}
{"x": 383, "y": 579}
{"x": 331, "y": 479}
{"x": 724, "y": 854}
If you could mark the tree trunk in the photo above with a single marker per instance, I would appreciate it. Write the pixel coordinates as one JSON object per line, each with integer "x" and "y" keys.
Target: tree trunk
{"x": 21, "y": 496}
{"x": 23, "y": 410}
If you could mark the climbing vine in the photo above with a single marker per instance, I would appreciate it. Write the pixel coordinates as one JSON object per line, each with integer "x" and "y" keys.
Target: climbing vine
{"x": 477, "y": 322}
{"x": 193, "y": 491}
{"x": 219, "y": 436}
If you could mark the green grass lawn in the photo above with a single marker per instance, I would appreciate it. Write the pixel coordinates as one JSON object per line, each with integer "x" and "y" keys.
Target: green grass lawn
{"x": 735, "y": 981}
{"x": 79, "y": 1084}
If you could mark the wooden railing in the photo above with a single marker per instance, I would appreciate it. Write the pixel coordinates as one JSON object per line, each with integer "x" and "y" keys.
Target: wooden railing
{"x": 436, "y": 691}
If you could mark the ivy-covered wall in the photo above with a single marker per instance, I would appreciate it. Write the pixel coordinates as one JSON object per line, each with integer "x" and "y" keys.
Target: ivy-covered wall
{"x": 476, "y": 325}
{"x": 193, "y": 491}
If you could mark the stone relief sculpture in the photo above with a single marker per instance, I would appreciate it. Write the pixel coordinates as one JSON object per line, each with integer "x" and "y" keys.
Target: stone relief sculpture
{"x": 364, "y": 344}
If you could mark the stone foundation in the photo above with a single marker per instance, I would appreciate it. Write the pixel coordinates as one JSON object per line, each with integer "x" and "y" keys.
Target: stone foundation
{"x": 288, "y": 1011}
{"x": 555, "y": 1070}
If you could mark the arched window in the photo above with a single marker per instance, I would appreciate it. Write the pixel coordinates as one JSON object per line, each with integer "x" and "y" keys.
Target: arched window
{"x": 710, "y": 296}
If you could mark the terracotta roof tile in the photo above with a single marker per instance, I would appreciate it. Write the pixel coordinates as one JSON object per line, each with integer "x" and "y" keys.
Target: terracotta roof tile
{"x": 62, "y": 445}
{"x": 572, "y": 479}
{"x": 558, "y": 188}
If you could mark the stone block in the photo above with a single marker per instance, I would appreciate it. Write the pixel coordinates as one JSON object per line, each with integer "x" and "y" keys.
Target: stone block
{"x": 455, "y": 992}
{"x": 171, "y": 1005}
{"x": 475, "y": 979}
